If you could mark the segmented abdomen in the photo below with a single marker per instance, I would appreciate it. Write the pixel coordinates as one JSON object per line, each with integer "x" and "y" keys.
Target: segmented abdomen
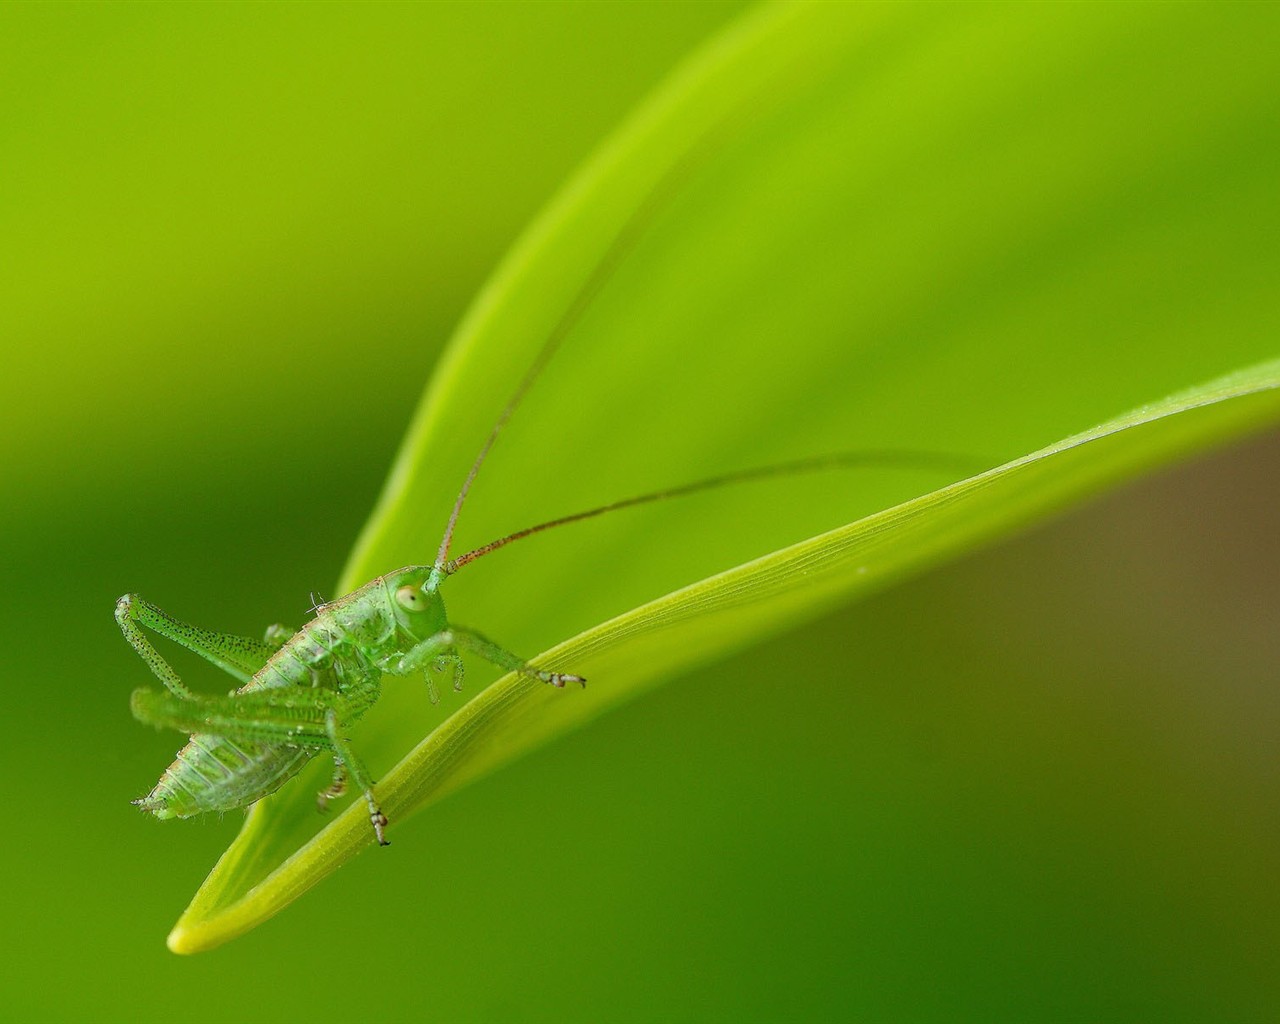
{"x": 332, "y": 652}
{"x": 213, "y": 774}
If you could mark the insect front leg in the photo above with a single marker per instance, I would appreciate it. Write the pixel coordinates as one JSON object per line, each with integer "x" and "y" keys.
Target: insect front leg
{"x": 239, "y": 656}
{"x": 435, "y": 655}
{"x": 448, "y": 664}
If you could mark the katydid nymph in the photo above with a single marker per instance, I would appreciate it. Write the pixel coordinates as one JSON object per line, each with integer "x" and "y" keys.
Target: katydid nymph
{"x": 302, "y": 691}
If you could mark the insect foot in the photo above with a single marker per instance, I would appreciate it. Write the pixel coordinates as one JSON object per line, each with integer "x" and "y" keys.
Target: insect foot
{"x": 332, "y": 793}
{"x": 379, "y": 821}
{"x": 558, "y": 679}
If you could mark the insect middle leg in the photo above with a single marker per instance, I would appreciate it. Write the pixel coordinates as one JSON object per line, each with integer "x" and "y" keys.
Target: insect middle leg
{"x": 445, "y": 644}
{"x": 500, "y": 656}
{"x": 314, "y": 719}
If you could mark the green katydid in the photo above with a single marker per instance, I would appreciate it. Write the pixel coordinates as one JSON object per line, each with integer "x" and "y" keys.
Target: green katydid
{"x": 303, "y": 690}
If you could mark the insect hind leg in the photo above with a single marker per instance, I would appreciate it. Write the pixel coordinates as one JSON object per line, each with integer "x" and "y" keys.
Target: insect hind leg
{"x": 238, "y": 656}
{"x": 290, "y": 718}
{"x": 314, "y": 719}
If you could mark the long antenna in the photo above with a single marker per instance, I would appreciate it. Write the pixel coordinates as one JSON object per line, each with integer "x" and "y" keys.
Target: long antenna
{"x": 622, "y": 242}
{"x": 816, "y": 463}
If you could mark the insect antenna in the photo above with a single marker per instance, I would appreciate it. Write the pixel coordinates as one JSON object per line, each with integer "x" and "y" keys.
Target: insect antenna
{"x": 813, "y": 464}
{"x": 644, "y": 213}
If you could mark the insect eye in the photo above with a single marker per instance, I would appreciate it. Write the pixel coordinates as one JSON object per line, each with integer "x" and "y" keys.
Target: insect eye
{"x": 410, "y": 598}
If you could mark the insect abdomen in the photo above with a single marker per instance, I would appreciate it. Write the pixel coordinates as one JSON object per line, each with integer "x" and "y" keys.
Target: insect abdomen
{"x": 214, "y": 774}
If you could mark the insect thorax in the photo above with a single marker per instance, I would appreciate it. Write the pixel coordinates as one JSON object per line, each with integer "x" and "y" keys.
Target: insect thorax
{"x": 366, "y": 627}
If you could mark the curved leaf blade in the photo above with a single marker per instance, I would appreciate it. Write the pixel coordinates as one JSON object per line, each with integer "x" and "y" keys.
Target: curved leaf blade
{"x": 708, "y": 619}
{"x": 922, "y": 245}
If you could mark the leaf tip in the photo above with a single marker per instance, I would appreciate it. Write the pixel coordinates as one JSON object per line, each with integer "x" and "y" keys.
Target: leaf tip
{"x": 189, "y": 937}
{"x": 182, "y": 941}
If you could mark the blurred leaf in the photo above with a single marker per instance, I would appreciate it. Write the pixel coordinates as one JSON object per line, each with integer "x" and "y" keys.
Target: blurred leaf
{"x": 842, "y": 230}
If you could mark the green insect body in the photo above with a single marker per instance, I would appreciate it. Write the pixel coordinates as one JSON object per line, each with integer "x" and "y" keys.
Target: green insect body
{"x": 303, "y": 690}
{"x": 300, "y": 695}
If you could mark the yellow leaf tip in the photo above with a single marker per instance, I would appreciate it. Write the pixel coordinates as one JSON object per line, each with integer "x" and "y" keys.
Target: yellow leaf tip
{"x": 182, "y": 941}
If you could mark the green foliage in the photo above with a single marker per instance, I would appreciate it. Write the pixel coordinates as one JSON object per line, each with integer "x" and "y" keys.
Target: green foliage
{"x": 1036, "y": 783}
{"x": 872, "y": 246}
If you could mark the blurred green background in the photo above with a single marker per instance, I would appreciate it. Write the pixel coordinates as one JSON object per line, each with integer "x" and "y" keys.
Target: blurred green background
{"x": 1039, "y": 783}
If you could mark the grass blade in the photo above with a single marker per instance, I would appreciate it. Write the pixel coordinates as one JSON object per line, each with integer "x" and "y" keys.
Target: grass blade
{"x": 878, "y": 248}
